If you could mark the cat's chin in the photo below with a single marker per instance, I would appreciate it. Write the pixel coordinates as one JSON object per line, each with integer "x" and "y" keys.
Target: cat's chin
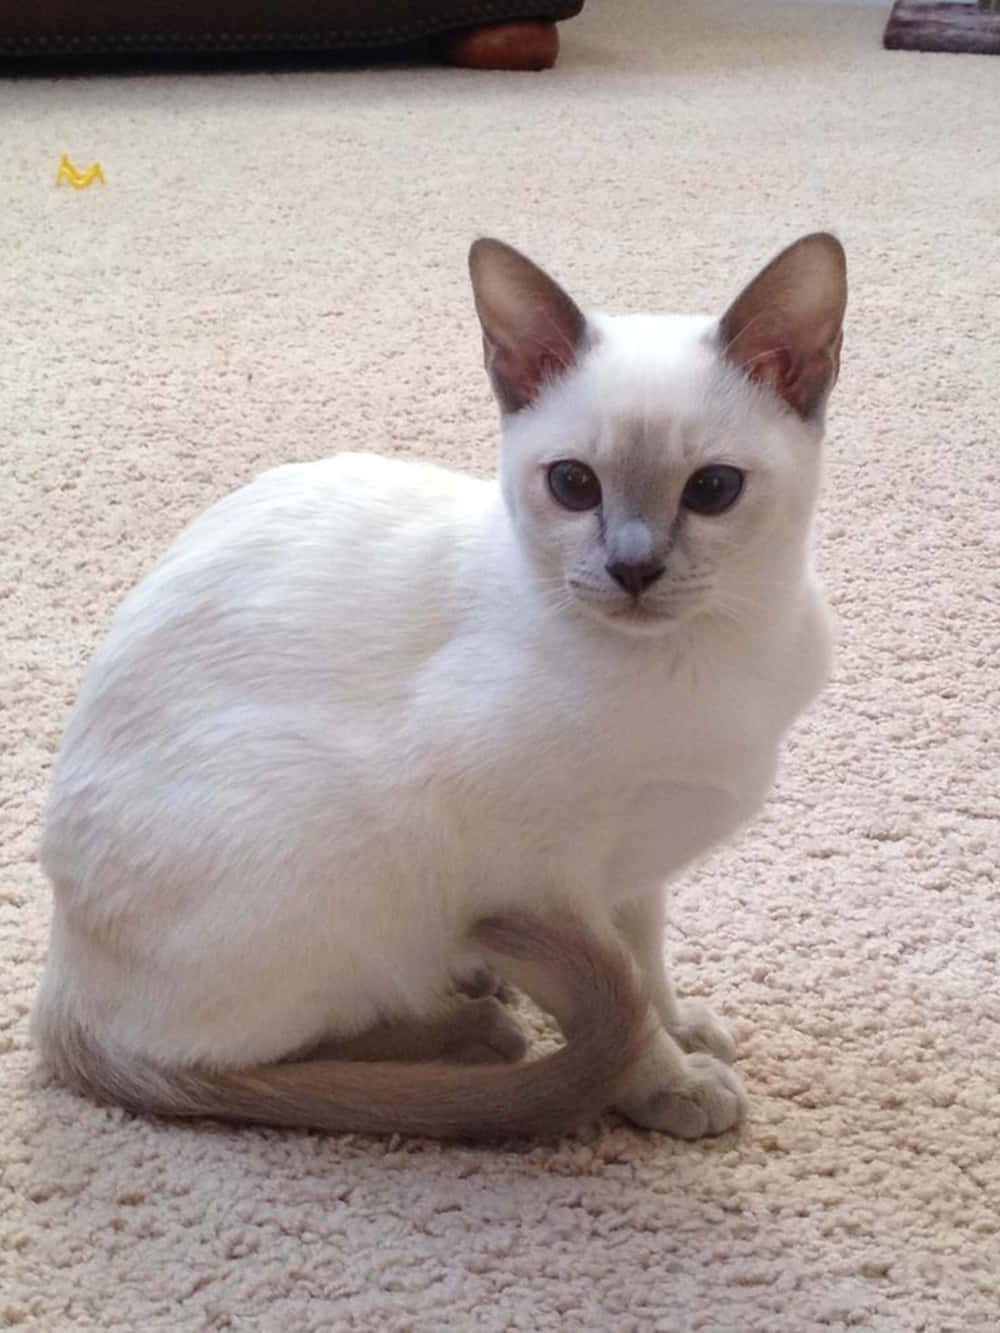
{"x": 635, "y": 620}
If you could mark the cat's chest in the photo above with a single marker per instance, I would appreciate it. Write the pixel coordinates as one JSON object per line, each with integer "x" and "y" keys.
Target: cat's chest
{"x": 652, "y": 783}
{"x": 593, "y": 730}
{"x": 630, "y": 778}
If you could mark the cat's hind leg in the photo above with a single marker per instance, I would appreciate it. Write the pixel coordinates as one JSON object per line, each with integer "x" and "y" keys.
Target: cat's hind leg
{"x": 479, "y": 980}
{"x": 466, "y": 1031}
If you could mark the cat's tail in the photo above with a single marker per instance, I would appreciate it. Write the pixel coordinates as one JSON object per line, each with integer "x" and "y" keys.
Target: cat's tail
{"x": 589, "y": 984}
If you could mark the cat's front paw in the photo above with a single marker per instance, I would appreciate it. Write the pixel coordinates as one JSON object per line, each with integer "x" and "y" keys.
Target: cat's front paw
{"x": 700, "y": 1029}
{"x": 706, "y": 1097}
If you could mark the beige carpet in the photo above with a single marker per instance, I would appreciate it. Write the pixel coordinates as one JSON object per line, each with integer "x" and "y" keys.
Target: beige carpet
{"x": 274, "y": 270}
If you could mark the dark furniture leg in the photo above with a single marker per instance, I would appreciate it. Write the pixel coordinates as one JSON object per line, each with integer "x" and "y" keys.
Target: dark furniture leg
{"x": 504, "y": 46}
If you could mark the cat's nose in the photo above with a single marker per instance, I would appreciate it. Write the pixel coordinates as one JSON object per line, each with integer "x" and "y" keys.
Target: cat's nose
{"x": 635, "y": 576}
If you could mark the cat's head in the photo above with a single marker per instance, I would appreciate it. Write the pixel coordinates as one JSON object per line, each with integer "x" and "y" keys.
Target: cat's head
{"x": 662, "y": 467}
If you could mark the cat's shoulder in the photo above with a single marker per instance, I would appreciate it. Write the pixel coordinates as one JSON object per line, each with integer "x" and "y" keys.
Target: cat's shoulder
{"x": 344, "y": 493}
{"x": 363, "y": 474}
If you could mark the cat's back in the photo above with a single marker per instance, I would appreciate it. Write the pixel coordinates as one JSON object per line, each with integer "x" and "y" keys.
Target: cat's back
{"x": 329, "y": 532}
{"x": 347, "y": 505}
{"x": 297, "y": 590}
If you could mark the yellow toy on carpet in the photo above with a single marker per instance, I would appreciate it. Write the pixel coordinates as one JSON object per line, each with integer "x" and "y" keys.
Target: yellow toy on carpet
{"x": 80, "y": 180}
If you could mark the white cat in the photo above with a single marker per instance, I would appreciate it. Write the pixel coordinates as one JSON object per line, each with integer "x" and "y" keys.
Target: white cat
{"x": 371, "y": 728}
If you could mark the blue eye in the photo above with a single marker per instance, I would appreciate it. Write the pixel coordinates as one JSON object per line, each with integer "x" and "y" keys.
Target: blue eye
{"x": 574, "y": 485}
{"x": 713, "y": 490}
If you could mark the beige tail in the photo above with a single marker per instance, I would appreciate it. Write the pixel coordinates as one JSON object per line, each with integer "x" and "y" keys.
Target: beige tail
{"x": 590, "y": 986}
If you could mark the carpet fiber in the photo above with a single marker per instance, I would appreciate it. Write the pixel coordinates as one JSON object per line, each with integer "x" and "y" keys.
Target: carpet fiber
{"x": 275, "y": 270}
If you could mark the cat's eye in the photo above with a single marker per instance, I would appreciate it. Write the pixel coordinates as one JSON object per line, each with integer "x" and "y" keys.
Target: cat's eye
{"x": 713, "y": 490}
{"x": 574, "y": 485}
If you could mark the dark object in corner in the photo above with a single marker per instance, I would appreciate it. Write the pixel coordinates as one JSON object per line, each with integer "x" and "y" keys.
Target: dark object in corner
{"x": 915, "y": 25}
{"x": 45, "y": 35}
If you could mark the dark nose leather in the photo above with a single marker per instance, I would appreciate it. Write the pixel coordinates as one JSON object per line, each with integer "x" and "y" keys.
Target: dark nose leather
{"x": 635, "y": 576}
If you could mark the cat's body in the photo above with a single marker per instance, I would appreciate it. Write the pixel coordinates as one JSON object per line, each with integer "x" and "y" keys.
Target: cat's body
{"x": 356, "y": 709}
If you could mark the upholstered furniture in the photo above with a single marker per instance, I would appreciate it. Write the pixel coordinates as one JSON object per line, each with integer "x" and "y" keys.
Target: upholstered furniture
{"x": 493, "y": 34}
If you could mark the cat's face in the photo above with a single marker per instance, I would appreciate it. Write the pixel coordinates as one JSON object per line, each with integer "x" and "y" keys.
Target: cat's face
{"x": 653, "y": 483}
{"x": 659, "y": 468}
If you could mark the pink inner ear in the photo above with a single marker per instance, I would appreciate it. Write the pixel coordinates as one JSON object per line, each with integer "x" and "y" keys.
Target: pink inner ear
{"x": 547, "y": 367}
{"x": 801, "y": 384}
{"x": 772, "y": 368}
{"x": 532, "y": 331}
{"x": 525, "y": 369}
{"x": 784, "y": 329}
{"x": 807, "y": 383}
{"x": 509, "y": 371}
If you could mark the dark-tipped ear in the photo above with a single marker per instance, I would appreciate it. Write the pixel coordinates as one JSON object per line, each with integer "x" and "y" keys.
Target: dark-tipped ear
{"x": 532, "y": 331}
{"x": 785, "y": 330}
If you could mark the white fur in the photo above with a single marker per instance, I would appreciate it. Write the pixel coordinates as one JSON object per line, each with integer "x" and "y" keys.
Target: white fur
{"x": 356, "y": 706}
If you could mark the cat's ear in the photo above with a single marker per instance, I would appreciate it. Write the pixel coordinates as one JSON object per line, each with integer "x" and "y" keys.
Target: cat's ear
{"x": 785, "y": 329}
{"x": 532, "y": 331}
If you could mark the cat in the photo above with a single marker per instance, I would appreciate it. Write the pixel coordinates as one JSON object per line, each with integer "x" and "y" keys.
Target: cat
{"x": 373, "y": 734}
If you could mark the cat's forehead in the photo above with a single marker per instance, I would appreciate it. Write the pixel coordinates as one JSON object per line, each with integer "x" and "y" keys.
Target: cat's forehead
{"x": 654, "y": 383}
{"x": 636, "y": 351}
